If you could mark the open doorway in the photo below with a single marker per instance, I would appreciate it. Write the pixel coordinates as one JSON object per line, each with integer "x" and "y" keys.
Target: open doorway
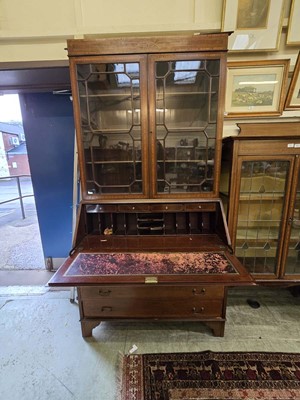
{"x": 47, "y": 115}
{"x": 20, "y": 240}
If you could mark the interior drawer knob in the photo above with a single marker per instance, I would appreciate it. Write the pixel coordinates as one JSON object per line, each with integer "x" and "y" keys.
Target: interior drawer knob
{"x": 201, "y": 291}
{"x": 104, "y": 292}
{"x": 198, "y": 311}
{"x": 106, "y": 309}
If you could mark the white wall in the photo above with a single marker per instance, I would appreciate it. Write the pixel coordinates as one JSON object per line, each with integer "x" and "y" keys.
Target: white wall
{"x": 37, "y": 30}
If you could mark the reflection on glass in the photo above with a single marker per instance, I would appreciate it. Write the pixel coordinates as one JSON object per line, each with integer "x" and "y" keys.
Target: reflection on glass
{"x": 186, "y": 124}
{"x": 293, "y": 257}
{"x": 186, "y": 71}
{"x": 262, "y": 193}
{"x": 109, "y": 96}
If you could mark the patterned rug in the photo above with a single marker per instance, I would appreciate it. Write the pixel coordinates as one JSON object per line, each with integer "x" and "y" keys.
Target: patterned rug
{"x": 209, "y": 375}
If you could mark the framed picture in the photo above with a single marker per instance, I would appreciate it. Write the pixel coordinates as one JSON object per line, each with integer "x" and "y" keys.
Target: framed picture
{"x": 256, "y": 88}
{"x": 256, "y": 24}
{"x": 293, "y": 94}
{"x": 293, "y": 35}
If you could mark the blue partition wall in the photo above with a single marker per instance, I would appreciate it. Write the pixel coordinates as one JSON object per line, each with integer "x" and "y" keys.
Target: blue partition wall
{"x": 49, "y": 130}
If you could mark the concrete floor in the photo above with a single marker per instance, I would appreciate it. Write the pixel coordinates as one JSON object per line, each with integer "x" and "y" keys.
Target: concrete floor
{"x": 44, "y": 357}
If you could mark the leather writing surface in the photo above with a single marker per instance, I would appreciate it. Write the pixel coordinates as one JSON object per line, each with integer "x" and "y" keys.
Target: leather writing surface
{"x": 150, "y": 263}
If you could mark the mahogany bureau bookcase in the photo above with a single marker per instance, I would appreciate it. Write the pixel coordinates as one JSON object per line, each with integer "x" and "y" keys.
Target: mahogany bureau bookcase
{"x": 151, "y": 240}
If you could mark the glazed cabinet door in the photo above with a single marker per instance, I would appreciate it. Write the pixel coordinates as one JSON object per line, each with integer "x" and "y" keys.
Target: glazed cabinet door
{"x": 291, "y": 259}
{"x": 149, "y": 126}
{"x": 261, "y": 199}
{"x": 185, "y": 117}
{"x": 110, "y": 103}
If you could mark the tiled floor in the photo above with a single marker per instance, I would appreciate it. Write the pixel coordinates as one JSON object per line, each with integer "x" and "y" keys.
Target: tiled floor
{"x": 44, "y": 357}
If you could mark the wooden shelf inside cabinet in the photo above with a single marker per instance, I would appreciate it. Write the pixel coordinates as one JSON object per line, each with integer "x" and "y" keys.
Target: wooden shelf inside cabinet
{"x": 180, "y": 93}
{"x": 249, "y": 230}
{"x": 259, "y": 197}
{"x": 184, "y": 161}
{"x": 105, "y": 95}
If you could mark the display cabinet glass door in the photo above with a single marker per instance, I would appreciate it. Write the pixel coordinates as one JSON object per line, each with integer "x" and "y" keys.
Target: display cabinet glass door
{"x": 185, "y": 91}
{"x": 111, "y": 96}
{"x": 292, "y": 262}
{"x": 262, "y": 201}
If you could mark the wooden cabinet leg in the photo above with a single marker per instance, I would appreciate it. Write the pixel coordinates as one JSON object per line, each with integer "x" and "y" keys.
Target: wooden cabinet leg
{"x": 218, "y": 327}
{"x": 87, "y": 327}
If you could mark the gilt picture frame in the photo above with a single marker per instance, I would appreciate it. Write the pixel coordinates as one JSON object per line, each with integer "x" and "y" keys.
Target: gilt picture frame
{"x": 293, "y": 94}
{"x": 256, "y": 88}
{"x": 293, "y": 34}
{"x": 256, "y": 24}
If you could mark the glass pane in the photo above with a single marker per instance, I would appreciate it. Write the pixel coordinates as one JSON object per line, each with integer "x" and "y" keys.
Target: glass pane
{"x": 109, "y": 96}
{"x": 293, "y": 257}
{"x": 186, "y": 124}
{"x": 262, "y": 194}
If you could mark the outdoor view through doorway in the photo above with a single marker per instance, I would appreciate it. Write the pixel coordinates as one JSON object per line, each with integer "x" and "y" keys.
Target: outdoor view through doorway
{"x": 20, "y": 240}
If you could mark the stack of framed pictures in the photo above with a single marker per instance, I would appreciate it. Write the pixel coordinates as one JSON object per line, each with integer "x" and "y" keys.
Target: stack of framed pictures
{"x": 259, "y": 88}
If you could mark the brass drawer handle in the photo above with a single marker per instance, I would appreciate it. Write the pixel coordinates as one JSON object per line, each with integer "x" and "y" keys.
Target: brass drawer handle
{"x": 106, "y": 309}
{"x": 104, "y": 292}
{"x": 202, "y": 291}
{"x": 201, "y": 309}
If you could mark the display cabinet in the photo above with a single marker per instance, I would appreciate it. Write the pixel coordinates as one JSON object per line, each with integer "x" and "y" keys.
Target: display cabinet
{"x": 261, "y": 192}
{"x": 149, "y": 124}
{"x": 151, "y": 239}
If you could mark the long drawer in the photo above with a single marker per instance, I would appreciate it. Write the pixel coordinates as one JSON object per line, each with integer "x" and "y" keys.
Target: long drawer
{"x": 150, "y": 291}
{"x": 152, "y": 308}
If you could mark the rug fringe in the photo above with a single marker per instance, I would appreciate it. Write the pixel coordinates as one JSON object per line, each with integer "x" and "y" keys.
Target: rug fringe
{"x": 130, "y": 377}
{"x": 119, "y": 376}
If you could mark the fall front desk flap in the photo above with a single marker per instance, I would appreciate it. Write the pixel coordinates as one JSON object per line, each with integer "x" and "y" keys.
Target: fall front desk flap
{"x": 86, "y": 268}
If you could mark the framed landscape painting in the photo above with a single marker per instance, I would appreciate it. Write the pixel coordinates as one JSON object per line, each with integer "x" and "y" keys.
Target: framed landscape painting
{"x": 256, "y": 88}
{"x": 256, "y": 24}
{"x": 293, "y": 94}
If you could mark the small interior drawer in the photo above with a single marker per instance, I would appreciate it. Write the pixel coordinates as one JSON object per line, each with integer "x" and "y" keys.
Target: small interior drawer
{"x": 167, "y": 207}
{"x": 100, "y": 208}
{"x": 200, "y": 207}
{"x": 133, "y": 208}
